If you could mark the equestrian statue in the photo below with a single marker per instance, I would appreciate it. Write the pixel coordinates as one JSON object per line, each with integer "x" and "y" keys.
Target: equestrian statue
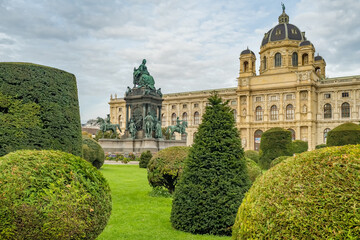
{"x": 105, "y": 126}
{"x": 180, "y": 127}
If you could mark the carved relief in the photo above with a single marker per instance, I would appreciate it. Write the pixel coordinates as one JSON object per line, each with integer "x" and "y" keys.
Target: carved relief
{"x": 244, "y": 82}
{"x": 303, "y": 76}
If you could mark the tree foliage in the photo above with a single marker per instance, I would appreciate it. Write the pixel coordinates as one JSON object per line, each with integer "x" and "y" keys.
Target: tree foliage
{"x": 215, "y": 177}
{"x": 275, "y": 142}
{"x": 144, "y": 159}
{"x": 51, "y": 195}
{"x": 52, "y": 94}
{"x": 313, "y": 195}
{"x": 346, "y": 133}
{"x": 165, "y": 168}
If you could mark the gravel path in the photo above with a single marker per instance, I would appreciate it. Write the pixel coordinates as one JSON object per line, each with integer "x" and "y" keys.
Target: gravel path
{"x": 120, "y": 163}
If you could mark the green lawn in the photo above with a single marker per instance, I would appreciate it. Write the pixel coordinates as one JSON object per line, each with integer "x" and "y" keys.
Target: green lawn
{"x": 135, "y": 215}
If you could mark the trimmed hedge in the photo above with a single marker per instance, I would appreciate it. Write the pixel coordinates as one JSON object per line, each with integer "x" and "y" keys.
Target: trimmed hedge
{"x": 347, "y": 133}
{"x": 278, "y": 160}
{"x": 314, "y": 195}
{"x": 275, "y": 142}
{"x": 144, "y": 159}
{"x": 253, "y": 169}
{"x": 253, "y": 155}
{"x": 215, "y": 178}
{"x": 93, "y": 152}
{"x": 320, "y": 146}
{"x": 54, "y": 93}
{"x": 51, "y": 195}
{"x": 299, "y": 146}
{"x": 166, "y": 167}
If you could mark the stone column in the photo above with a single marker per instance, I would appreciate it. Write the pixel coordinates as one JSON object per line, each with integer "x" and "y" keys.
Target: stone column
{"x": 144, "y": 115}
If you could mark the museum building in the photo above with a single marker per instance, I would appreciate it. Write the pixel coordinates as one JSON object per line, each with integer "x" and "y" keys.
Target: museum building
{"x": 291, "y": 91}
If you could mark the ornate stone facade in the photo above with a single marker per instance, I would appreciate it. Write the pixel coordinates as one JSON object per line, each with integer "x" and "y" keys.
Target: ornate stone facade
{"x": 291, "y": 92}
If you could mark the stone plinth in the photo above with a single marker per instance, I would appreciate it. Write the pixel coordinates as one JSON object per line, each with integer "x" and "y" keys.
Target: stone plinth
{"x": 138, "y": 145}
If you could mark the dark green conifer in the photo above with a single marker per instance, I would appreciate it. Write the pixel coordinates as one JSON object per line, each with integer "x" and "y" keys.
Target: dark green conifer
{"x": 215, "y": 177}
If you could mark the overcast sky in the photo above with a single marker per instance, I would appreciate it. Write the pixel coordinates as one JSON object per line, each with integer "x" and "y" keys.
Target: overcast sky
{"x": 189, "y": 45}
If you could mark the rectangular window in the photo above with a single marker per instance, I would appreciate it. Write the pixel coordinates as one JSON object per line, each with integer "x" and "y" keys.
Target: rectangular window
{"x": 289, "y": 97}
{"x": 196, "y": 105}
{"x": 345, "y": 94}
{"x": 327, "y": 95}
{"x": 120, "y": 109}
{"x": 173, "y": 106}
{"x": 272, "y": 98}
{"x": 233, "y": 102}
{"x": 258, "y": 99}
{"x": 184, "y": 105}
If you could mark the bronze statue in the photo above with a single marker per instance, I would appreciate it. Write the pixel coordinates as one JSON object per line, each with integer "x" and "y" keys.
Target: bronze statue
{"x": 180, "y": 128}
{"x": 105, "y": 125}
{"x": 149, "y": 124}
{"x": 132, "y": 129}
{"x": 283, "y": 6}
{"x": 158, "y": 131}
{"x": 142, "y": 77}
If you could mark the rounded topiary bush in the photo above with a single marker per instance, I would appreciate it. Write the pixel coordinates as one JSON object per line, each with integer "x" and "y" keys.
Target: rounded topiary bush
{"x": 93, "y": 152}
{"x": 299, "y": 146}
{"x": 253, "y": 169}
{"x": 320, "y": 146}
{"x": 166, "y": 167}
{"x": 253, "y": 155}
{"x": 314, "y": 195}
{"x": 51, "y": 195}
{"x": 144, "y": 159}
{"x": 347, "y": 133}
{"x": 52, "y": 94}
{"x": 275, "y": 142}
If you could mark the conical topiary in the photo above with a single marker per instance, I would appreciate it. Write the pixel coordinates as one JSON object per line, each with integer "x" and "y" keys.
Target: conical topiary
{"x": 215, "y": 177}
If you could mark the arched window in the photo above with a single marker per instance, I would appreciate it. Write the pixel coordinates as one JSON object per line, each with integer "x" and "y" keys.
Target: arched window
{"x": 295, "y": 59}
{"x": 163, "y": 119}
{"x": 184, "y": 116}
{"x": 258, "y": 114}
{"x": 246, "y": 66}
{"x": 305, "y": 59}
{"x": 327, "y": 110}
{"x": 264, "y": 63}
{"x": 196, "y": 118}
{"x": 345, "y": 110}
{"x": 257, "y": 139}
{"x": 120, "y": 121}
{"x": 235, "y": 114}
{"x": 292, "y": 134}
{"x": 277, "y": 60}
{"x": 318, "y": 70}
{"x": 274, "y": 112}
{"x": 326, "y": 133}
{"x": 289, "y": 112}
{"x": 173, "y": 119}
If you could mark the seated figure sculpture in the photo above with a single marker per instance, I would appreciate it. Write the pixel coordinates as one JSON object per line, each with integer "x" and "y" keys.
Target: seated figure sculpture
{"x": 142, "y": 77}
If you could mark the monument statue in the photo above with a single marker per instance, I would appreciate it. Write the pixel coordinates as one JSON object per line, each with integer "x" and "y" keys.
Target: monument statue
{"x": 180, "y": 127}
{"x": 132, "y": 129}
{"x": 142, "y": 77}
{"x": 158, "y": 131}
{"x": 283, "y": 6}
{"x": 105, "y": 126}
{"x": 149, "y": 125}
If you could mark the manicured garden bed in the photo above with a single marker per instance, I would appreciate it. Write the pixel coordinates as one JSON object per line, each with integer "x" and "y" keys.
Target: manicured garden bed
{"x": 136, "y": 215}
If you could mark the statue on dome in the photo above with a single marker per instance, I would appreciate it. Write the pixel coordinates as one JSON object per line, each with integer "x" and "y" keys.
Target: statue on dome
{"x": 283, "y": 6}
{"x": 142, "y": 77}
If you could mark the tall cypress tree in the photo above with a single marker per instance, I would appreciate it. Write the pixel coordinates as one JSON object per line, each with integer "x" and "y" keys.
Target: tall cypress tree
{"x": 215, "y": 179}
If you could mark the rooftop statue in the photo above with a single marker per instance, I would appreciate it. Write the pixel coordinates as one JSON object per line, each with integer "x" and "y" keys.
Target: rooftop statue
{"x": 283, "y": 7}
{"x": 142, "y": 77}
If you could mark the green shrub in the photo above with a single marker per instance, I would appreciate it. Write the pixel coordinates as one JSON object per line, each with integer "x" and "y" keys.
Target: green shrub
{"x": 144, "y": 159}
{"x": 160, "y": 192}
{"x": 314, "y": 195}
{"x": 278, "y": 160}
{"x": 253, "y": 169}
{"x": 107, "y": 135}
{"x": 93, "y": 152}
{"x": 166, "y": 167}
{"x": 275, "y": 142}
{"x": 253, "y": 155}
{"x": 320, "y": 146}
{"x": 51, "y": 195}
{"x": 347, "y": 133}
{"x": 299, "y": 146}
{"x": 52, "y": 94}
{"x": 114, "y": 157}
{"x": 132, "y": 156}
{"x": 215, "y": 178}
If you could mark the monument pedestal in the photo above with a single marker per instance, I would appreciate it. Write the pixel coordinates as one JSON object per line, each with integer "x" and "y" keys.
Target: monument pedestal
{"x": 138, "y": 146}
